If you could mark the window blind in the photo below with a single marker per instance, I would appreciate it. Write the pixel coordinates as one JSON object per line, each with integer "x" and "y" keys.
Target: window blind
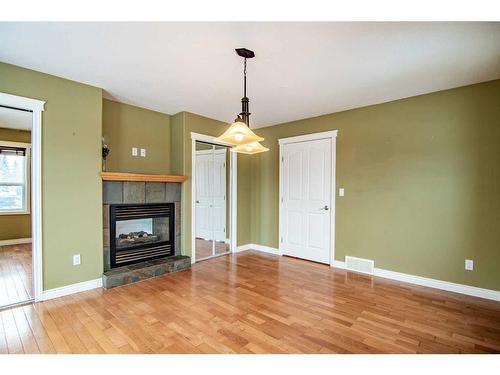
{"x": 7, "y": 150}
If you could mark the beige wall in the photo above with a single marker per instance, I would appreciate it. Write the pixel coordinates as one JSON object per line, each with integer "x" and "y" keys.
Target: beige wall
{"x": 15, "y": 226}
{"x": 125, "y": 126}
{"x": 422, "y": 183}
{"x": 71, "y": 162}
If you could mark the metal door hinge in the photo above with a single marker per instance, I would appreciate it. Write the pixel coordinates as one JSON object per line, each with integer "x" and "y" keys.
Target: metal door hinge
{"x": 281, "y": 239}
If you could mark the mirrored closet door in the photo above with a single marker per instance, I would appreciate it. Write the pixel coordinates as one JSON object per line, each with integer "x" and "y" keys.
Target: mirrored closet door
{"x": 212, "y": 201}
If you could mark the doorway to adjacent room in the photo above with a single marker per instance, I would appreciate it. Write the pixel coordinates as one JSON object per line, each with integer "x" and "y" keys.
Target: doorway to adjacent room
{"x": 20, "y": 200}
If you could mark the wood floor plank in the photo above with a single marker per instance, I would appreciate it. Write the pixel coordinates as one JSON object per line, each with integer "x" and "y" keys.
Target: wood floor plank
{"x": 3, "y": 340}
{"x": 14, "y": 344}
{"x": 51, "y": 329}
{"x": 42, "y": 339}
{"x": 28, "y": 340}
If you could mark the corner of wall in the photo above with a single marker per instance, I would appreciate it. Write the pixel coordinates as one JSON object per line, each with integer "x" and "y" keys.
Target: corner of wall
{"x": 177, "y": 122}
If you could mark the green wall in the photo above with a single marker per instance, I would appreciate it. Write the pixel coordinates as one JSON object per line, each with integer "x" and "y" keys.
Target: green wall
{"x": 177, "y": 144}
{"x": 71, "y": 162}
{"x": 422, "y": 180}
{"x": 246, "y": 163}
{"x": 126, "y": 126}
{"x": 15, "y": 226}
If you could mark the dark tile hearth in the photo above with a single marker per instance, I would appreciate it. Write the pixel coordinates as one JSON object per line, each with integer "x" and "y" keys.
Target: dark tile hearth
{"x": 144, "y": 270}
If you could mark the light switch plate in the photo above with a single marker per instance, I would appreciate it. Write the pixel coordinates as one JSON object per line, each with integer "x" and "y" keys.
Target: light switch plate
{"x": 143, "y": 152}
{"x": 341, "y": 192}
{"x": 76, "y": 260}
{"x": 469, "y": 264}
{"x": 134, "y": 151}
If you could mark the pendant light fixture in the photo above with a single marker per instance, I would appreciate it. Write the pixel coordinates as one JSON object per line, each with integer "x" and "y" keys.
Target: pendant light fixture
{"x": 239, "y": 133}
{"x": 250, "y": 148}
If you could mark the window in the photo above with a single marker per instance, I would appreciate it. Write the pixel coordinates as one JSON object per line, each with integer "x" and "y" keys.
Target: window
{"x": 14, "y": 178}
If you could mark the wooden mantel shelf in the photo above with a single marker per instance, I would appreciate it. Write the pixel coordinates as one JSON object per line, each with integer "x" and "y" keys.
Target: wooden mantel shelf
{"x": 117, "y": 176}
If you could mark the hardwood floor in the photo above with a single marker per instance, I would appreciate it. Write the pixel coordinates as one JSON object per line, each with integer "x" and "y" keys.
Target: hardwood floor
{"x": 15, "y": 274}
{"x": 204, "y": 248}
{"x": 256, "y": 303}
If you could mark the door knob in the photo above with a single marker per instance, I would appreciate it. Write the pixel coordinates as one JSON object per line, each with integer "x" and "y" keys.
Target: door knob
{"x": 326, "y": 208}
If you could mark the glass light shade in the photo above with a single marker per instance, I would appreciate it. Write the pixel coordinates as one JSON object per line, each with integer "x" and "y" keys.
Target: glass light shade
{"x": 239, "y": 134}
{"x": 250, "y": 148}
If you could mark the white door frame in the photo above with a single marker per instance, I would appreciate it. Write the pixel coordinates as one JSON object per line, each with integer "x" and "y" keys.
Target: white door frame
{"x": 232, "y": 188}
{"x": 305, "y": 138}
{"x": 36, "y": 107}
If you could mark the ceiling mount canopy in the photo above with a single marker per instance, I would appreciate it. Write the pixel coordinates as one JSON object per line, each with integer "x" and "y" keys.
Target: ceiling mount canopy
{"x": 245, "y": 53}
{"x": 239, "y": 133}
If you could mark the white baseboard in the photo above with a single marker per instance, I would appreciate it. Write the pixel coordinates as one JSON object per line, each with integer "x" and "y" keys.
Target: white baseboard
{"x": 431, "y": 283}
{"x": 264, "y": 249}
{"x": 338, "y": 264}
{"x": 16, "y": 241}
{"x": 243, "y": 248}
{"x": 70, "y": 289}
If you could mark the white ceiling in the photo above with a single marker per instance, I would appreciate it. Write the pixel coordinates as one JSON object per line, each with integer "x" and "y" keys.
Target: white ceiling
{"x": 15, "y": 119}
{"x": 300, "y": 69}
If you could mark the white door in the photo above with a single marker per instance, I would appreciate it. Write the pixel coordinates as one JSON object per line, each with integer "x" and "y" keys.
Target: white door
{"x": 204, "y": 180}
{"x": 211, "y": 194}
{"x": 219, "y": 195}
{"x": 306, "y": 193}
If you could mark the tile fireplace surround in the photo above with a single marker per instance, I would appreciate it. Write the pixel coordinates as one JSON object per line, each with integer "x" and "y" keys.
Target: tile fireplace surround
{"x": 134, "y": 192}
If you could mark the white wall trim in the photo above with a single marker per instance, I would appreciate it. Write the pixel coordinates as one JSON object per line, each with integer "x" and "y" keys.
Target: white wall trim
{"x": 431, "y": 283}
{"x": 241, "y": 248}
{"x": 36, "y": 106}
{"x": 264, "y": 249}
{"x": 338, "y": 264}
{"x": 207, "y": 152}
{"x": 332, "y": 134}
{"x": 15, "y": 241}
{"x": 308, "y": 137}
{"x": 208, "y": 138}
{"x": 21, "y": 102}
{"x": 233, "y": 198}
{"x": 71, "y": 289}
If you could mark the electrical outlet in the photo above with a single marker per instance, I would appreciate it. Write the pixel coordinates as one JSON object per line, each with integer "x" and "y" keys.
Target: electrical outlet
{"x": 134, "y": 151}
{"x": 143, "y": 152}
{"x": 469, "y": 264}
{"x": 341, "y": 192}
{"x": 76, "y": 260}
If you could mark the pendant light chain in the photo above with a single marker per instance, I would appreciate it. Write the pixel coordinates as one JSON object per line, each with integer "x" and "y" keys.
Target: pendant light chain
{"x": 245, "y": 79}
{"x": 245, "y": 114}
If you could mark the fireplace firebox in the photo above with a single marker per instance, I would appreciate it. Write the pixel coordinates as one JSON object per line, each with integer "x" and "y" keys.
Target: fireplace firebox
{"x": 140, "y": 232}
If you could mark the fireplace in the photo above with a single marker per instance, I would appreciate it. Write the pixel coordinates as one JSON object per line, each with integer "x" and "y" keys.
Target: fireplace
{"x": 140, "y": 232}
